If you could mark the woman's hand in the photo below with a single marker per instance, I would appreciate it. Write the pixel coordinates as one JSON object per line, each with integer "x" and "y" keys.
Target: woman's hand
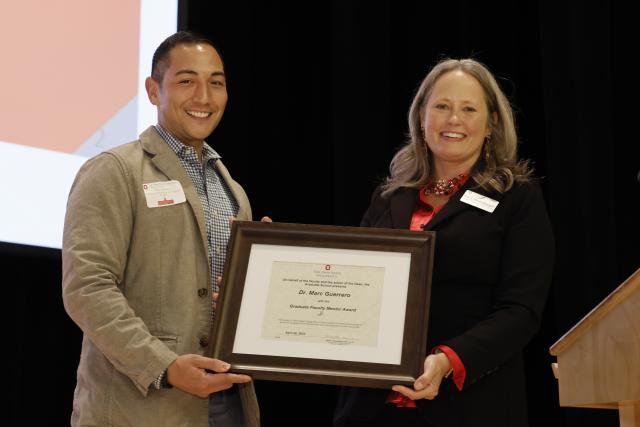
{"x": 436, "y": 366}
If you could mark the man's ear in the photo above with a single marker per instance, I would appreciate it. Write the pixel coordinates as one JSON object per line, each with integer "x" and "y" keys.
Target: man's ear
{"x": 152, "y": 90}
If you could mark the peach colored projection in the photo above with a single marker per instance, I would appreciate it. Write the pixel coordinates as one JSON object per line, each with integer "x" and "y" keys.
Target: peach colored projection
{"x": 59, "y": 107}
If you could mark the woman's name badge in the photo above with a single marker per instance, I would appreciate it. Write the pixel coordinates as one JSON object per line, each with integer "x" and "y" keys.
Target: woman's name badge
{"x": 479, "y": 201}
{"x": 163, "y": 193}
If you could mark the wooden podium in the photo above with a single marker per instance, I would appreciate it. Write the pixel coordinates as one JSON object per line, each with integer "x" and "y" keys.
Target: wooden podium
{"x": 598, "y": 363}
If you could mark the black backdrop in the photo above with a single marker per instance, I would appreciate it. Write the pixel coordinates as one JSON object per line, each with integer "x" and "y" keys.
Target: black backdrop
{"x": 318, "y": 98}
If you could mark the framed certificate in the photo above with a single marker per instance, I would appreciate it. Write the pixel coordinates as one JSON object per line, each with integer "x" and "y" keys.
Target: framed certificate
{"x": 325, "y": 304}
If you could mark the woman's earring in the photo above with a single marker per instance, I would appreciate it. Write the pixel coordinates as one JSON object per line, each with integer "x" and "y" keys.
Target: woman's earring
{"x": 487, "y": 148}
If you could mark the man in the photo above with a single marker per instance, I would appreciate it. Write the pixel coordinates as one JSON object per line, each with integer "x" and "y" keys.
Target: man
{"x": 145, "y": 238}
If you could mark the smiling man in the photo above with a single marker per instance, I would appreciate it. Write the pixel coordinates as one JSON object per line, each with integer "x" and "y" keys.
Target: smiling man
{"x": 144, "y": 242}
{"x": 188, "y": 86}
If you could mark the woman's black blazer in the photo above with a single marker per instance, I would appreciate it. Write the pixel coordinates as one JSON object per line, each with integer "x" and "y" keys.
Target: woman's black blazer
{"x": 491, "y": 276}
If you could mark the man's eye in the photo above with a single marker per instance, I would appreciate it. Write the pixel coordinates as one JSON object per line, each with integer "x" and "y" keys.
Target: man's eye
{"x": 441, "y": 106}
{"x": 217, "y": 83}
{"x": 184, "y": 82}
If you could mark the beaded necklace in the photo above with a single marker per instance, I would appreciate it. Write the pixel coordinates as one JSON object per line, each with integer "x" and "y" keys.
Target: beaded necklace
{"x": 445, "y": 187}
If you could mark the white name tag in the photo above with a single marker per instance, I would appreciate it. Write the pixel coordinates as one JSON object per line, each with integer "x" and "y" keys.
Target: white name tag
{"x": 479, "y": 201}
{"x": 163, "y": 193}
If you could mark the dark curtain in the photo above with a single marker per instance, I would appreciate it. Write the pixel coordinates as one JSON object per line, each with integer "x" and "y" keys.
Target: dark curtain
{"x": 319, "y": 93}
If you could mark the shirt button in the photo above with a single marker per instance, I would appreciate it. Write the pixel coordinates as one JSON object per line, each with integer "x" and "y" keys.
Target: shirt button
{"x": 202, "y": 292}
{"x": 217, "y": 250}
{"x": 204, "y": 341}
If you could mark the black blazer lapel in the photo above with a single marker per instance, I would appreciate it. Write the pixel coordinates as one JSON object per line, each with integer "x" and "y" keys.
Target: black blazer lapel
{"x": 454, "y": 206}
{"x": 402, "y": 203}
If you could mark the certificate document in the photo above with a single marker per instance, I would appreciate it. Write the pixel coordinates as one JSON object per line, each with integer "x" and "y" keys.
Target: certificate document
{"x": 339, "y": 304}
{"x": 323, "y": 303}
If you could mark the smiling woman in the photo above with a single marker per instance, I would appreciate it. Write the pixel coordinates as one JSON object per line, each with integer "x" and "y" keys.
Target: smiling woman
{"x": 470, "y": 90}
{"x": 459, "y": 175}
{"x": 455, "y": 124}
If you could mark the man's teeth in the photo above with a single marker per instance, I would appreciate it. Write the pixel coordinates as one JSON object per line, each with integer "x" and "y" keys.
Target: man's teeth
{"x": 453, "y": 135}
{"x": 199, "y": 114}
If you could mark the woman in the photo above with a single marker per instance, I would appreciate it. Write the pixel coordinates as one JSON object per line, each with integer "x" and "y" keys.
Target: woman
{"x": 459, "y": 176}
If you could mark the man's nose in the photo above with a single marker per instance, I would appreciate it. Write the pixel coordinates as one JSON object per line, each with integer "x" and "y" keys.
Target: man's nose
{"x": 201, "y": 94}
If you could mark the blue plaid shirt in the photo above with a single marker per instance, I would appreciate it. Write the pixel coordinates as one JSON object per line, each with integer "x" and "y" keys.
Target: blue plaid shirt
{"x": 217, "y": 200}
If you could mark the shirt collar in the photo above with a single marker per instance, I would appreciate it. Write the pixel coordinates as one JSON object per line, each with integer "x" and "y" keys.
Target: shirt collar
{"x": 182, "y": 150}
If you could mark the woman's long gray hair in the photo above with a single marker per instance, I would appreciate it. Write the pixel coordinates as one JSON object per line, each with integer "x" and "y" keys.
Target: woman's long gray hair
{"x": 498, "y": 166}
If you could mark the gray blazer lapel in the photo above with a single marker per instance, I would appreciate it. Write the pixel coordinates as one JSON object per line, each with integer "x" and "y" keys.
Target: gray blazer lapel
{"x": 163, "y": 157}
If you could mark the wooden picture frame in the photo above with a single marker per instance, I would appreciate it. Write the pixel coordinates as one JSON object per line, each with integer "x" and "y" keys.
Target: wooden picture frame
{"x": 379, "y": 280}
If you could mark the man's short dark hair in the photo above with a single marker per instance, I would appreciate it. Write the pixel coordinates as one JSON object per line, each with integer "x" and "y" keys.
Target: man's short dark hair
{"x": 160, "y": 61}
